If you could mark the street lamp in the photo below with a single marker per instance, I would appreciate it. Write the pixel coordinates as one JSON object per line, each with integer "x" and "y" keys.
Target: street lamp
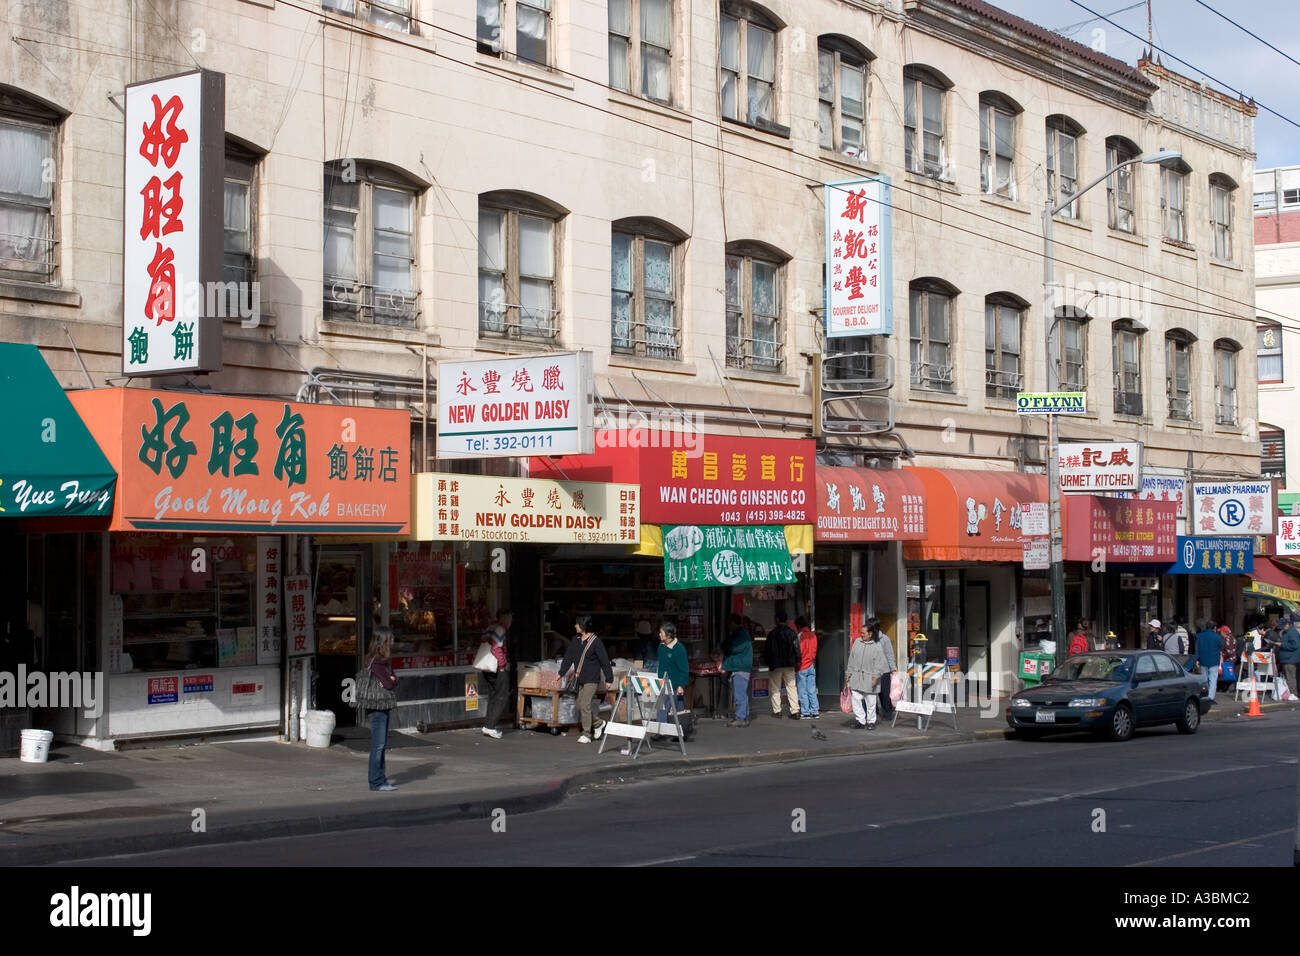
{"x": 1163, "y": 157}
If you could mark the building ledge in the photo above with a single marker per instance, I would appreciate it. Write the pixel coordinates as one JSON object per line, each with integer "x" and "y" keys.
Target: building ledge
{"x": 46, "y": 294}
{"x": 378, "y": 333}
{"x": 652, "y": 365}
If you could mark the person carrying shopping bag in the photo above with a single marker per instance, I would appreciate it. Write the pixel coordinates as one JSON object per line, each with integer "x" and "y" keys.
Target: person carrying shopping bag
{"x": 379, "y": 706}
{"x": 584, "y": 665}
{"x": 867, "y": 665}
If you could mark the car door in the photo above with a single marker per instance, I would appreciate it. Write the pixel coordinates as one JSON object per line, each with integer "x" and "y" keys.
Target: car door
{"x": 1145, "y": 694}
{"x": 1173, "y": 686}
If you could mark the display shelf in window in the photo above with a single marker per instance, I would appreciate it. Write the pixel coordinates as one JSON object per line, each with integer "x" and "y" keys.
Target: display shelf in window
{"x": 235, "y": 598}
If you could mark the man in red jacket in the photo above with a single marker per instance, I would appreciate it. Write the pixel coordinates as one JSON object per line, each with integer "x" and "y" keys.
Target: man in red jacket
{"x": 1079, "y": 641}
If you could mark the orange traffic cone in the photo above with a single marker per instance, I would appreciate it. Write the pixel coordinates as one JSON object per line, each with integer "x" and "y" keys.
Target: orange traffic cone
{"x": 1254, "y": 704}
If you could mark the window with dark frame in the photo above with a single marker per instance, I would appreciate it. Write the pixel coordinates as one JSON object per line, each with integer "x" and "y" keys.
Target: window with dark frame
{"x": 239, "y": 249}
{"x": 930, "y": 326}
{"x": 1222, "y": 194}
{"x": 518, "y": 249}
{"x": 640, "y": 48}
{"x": 1003, "y": 323}
{"x": 843, "y": 73}
{"x": 755, "y": 336}
{"x": 1173, "y": 202}
{"x": 527, "y": 21}
{"x": 747, "y": 62}
{"x": 1178, "y": 375}
{"x": 28, "y": 141}
{"x": 1126, "y": 349}
{"x": 644, "y": 278}
{"x": 369, "y": 244}
{"x": 1073, "y": 356}
{"x": 1225, "y": 384}
{"x": 1063, "y": 163}
{"x": 1268, "y": 348}
{"x": 998, "y": 118}
{"x": 1272, "y": 455}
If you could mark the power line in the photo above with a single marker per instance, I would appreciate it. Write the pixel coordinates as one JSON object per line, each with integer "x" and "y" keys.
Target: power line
{"x": 1190, "y": 66}
{"x": 1083, "y": 23}
{"x": 1248, "y": 33}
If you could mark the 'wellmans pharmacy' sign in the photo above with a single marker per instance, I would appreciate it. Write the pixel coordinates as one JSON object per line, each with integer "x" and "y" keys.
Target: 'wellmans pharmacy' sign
{"x": 1236, "y": 508}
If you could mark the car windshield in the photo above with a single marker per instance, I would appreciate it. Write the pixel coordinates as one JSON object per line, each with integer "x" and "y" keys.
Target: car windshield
{"x": 1116, "y": 668}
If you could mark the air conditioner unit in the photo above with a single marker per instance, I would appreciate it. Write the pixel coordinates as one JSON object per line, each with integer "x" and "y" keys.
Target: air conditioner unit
{"x": 1128, "y": 403}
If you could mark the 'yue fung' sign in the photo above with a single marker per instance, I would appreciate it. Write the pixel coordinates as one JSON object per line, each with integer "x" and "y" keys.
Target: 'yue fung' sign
{"x": 173, "y": 222}
{"x": 504, "y": 407}
{"x": 859, "y": 280}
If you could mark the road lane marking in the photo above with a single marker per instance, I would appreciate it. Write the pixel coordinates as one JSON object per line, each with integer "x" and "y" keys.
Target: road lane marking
{"x": 1217, "y": 846}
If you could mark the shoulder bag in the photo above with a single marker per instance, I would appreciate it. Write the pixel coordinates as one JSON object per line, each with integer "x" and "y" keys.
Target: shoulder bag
{"x": 371, "y": 692}
{"x": 571, "y": 685}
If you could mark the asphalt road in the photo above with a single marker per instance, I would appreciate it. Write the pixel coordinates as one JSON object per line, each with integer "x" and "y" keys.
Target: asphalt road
{"x": 1223, "y": 797}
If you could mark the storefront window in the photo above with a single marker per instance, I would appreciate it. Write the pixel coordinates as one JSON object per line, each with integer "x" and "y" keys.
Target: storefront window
{"x": 442, "y": 596}
{"x": 175, "y": 617}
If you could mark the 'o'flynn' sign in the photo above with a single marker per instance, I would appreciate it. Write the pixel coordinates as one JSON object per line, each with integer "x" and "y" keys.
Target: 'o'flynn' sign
{"x": 1051, "y": 403}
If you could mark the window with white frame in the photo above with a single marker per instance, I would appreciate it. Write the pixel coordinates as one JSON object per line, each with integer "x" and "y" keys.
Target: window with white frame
{"x": 1173, "y": 201}
{"x": 930, "y": 324}
{"x": 1063, "y": 163}
{"x": 1072, "y": 356}
{"x": 518, "y": 239}
{"x": 1268, "y": 349}
{"x": 1223, "y": 192}
{"x": 526, "y": 22}
{"x": 755, "y": 333}
{"x": 998, "y": 145}
{"x": 748, "y": 65}
{"x": 644, "y": 278}
{"x": 1126, "y": 355}
{"x": 393, "y": 14}
{"x": 1120, "y": 208}
{"x": 843, "y": 70}
{"x": 370, "y": 243}
{"x": 28, "y": 140}
{"x": 641, "y": 47}
{"x": 1225, "y": 382}
{"x": 1003, "y": 322}
{"x": 1178, "y": 374}
{"x": 924, "y": 95}
{"x": 239, "y": 249}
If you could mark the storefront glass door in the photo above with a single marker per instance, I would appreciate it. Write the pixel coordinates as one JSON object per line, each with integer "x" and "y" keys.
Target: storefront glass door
{"x": 831, "y": 621}
{"x": 343, "y": 616}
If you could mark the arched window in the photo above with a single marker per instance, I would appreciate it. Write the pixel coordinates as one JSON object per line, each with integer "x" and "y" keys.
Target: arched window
{"x": 1072, "y": 349}
{"x": 1120, "y": 203}
{"x": 1223, "y": 194}
{"x": 1173, "y": 200}
{"x": 518, "y": 252}
{"x": 999, "y": 115}
{"x": 755, "y": 331}
{"x": 1178, "y": 373}
{"x": 1225, "y": 382}
{"x": 370, "y": 244}
{"x": 645, "y": 284}
{"x": 932, "y": 333}
{"x": 1004, "y": 319}
{"x": 1268, "y": 349}
{"x": 843, "y": 72}
{"x": 28, "y": 141}
{"x": 925, "y": 92}
{"x": 1063, "y": 136}
{"x": 747, "y": 61}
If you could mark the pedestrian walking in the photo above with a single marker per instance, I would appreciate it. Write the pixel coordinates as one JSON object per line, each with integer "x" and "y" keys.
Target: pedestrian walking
{"x": 498, "y": 683}
{"x": 782, "y": 656}
{"x": 867, "y": 664}
{"x": 806, "y": 679}
{"x": 737, "y": 662}
{"x": 1079, "y": 640}
{"x": 887, "y": 701}
{"x": 587, "y": 662}
{"x": 379, "y": 663}
{"x": 1171, "y": 642}
{"x": 1288, "y": 655}
{"x": 1155, "y": 638}
{"x": 1209, "y": 655}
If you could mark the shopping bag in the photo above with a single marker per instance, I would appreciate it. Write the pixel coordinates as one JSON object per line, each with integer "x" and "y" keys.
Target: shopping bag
{"x": 484, "y": 659}
{"x": 1283, "y": 691}
{"x": 846, "y": 700}
{"x": 1227, "y": 672}
{"x": 895, "y": 687}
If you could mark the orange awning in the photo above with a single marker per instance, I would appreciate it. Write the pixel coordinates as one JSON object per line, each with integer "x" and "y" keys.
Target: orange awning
{"x": 969, "y": 514}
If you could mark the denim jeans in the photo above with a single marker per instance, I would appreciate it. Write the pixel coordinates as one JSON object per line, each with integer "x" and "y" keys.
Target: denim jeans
{"x": 807, "y": 681}
{"x": 740, "y": 693}
{"x": 1213, "y": 683}
{"x": 378, "y": 745}
{"x": 676, "y": 703}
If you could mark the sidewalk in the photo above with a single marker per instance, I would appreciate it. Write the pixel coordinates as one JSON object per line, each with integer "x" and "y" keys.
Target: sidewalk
{"x": 85, "y": 803}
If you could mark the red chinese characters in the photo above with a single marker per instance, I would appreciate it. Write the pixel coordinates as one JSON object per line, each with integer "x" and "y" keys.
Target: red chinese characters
{"x": 160, "y": 209}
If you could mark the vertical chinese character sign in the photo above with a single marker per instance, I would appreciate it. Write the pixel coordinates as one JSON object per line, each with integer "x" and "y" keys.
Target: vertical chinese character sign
{"x": 173, "y": 224}
{"x": 859, "y": 275}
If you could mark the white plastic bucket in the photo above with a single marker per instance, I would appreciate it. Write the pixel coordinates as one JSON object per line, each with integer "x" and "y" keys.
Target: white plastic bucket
{"x": 36, "y": 745}
{"x": 320, "y": 727}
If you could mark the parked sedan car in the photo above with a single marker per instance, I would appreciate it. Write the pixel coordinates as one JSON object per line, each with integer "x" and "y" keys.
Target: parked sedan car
{"x": 1112, "y": 693}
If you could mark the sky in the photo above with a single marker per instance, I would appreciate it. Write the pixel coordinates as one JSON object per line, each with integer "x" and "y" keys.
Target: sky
{"x": 1187, "y": 30}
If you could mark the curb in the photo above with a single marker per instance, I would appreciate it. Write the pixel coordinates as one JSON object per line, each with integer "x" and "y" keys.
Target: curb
{"x": 471, "y": 807}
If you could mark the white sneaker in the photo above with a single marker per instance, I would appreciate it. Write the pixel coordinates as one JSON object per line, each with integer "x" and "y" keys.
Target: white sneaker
{"x": 492, "y": 732}
{"x": 600, "y": 728}
{"x": 584, "y": 739}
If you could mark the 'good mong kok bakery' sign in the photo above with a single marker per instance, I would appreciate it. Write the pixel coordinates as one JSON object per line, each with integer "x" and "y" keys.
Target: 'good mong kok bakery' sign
{"x": 197, "y": 463}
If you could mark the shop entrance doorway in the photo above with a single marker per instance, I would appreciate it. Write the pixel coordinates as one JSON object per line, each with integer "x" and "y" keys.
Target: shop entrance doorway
{"x": 832, "y": 616}
{"x": 343, "y": 624}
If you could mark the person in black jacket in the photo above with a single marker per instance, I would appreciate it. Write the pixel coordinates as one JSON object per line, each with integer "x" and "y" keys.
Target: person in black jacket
{"x": 588, "y": 659}
{"x": 782, "y": 658}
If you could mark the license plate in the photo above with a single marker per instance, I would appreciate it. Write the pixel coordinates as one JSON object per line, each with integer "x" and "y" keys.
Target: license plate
{"x": 1045, "y": 717}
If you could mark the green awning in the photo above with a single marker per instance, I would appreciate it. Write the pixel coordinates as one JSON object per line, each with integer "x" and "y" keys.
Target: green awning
{"x": 49, "y": 463}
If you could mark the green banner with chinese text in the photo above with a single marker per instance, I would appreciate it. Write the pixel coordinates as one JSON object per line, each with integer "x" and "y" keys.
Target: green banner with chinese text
{"x": 713, "y": 556}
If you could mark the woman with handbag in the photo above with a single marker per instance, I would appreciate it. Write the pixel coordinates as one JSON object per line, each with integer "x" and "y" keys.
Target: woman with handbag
{"x": 585, "y": 664}
{"x": 867, "y": 664}
{"x": 375, "y": 695}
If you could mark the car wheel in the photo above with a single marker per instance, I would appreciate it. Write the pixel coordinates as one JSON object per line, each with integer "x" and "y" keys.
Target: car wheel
{"x": 1191, "y": 718}
{"x": 1121, "y": 723}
